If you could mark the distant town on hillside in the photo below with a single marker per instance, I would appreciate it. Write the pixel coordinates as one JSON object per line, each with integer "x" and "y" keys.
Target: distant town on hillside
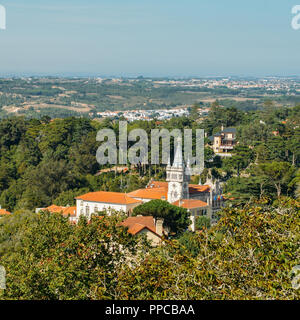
{"x": 139, "y": 98}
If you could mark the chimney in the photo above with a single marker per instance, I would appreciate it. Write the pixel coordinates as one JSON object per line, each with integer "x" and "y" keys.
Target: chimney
{"x": 159, "y": 226}
{"x": 222, "y": 128}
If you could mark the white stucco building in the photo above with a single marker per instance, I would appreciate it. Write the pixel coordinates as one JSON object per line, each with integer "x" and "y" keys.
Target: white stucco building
{"x": 94, "y": 202}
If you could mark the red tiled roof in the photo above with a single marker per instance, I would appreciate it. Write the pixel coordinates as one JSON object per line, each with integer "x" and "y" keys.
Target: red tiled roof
{"x": 136, "y": 228}
{"x": 150, "y": 193}
{"x": 108, "y": 197}
{"x": 70, "y": 211}
{"x": 4, "y": 212}
{"x": 158, "y": 184}
{"x": 137, "y": 224}
{"x": 54, "y": 208}
{"x": 190, "y": 203}
{"x": 195, "y": 188}
{"x": 64, "y": 210}
{"x": 159, "y": 190}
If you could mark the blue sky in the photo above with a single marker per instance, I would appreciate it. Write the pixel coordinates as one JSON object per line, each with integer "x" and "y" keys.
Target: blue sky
{"x": 149, "y": 37}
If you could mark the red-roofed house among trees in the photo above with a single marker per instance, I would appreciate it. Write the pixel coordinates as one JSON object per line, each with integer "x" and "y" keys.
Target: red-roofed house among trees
{"x": 199, "y": 200}
{"x": 65, "y": 211}
{"x": 153, "y": 229}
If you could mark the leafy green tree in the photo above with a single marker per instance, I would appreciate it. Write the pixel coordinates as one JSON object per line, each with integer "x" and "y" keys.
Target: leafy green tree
{"x": 202, "y": 222}
{"x": 194, "y": 113}
{"x": 278, "y": 173}
{"x": 68, "y": 197}
{"x": 189, "y": 242}
{"x": 175, "y": 218}
{"x": 249, "y": 254}
{"x": 46, "y": 257}
{"x": 241, "y": 158}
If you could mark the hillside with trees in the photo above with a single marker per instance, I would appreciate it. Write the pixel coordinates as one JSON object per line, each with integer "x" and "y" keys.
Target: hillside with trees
{"x": 248, "y": 254}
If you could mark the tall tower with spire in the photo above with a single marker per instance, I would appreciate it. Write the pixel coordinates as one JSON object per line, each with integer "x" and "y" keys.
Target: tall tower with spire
{"x": 178, "y": 176}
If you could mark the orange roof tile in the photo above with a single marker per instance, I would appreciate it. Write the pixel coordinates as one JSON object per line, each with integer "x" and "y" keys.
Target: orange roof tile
{"x": 137, "y": 224}
{"x": 64, "y": 210}
{"x": 4, "y": 212}
{"x": 55, "y": 209}
{"x": 159, "y": 190}
{"x": 136, "y": 228}
{"x": 158, "y": 184}
{"x": 190, "y": 203}
{"x": 70, "y": 211}
{"x": 108, "y": 197}
{"x": 195, "y": 188}
{"x": 150, "y": 193}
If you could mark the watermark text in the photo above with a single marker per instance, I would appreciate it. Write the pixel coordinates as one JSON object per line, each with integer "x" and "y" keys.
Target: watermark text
{"x": 2, "y": 17}
{"x": 296, "y": 18}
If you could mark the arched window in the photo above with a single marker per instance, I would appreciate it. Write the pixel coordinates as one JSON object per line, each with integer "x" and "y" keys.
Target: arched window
{"x": 87, "y": 210}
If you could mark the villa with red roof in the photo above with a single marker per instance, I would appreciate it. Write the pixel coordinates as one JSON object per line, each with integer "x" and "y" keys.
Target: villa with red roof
{"x": 152, "y": 228}
{"x": 199, "y": 200}
{"x": 94, "y": 202}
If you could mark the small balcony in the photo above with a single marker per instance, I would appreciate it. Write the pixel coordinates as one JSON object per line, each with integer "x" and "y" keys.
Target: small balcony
{"x": 226, "y": 147}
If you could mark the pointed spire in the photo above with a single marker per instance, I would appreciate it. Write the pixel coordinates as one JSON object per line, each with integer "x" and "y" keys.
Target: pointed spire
{"x": 178, "y": 159}
{"x": 169, "y": 162}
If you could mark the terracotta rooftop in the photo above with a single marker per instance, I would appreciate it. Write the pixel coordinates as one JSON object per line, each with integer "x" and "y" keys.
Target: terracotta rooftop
{"x": 70, "y": 211}
{"x": 108, "y": 197}
{"x": 4, "y": 212}
{"x": 150, "y": 193}
{"x": 54, "y": 208}
{"x": 195, "y": 188}
{"x": 159, "y": 190}
{"x": 157, "y": 184}
{"x": 190, "y": 203}
{"x": 137, "y": 224}
{"x": 64, "y": 210}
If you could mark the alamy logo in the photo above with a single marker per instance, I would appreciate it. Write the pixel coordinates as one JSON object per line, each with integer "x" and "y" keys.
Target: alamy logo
{"x": 2, "y": 17}
{"x": 2, "y": 278}
{"x": 296, "y": 18}
{"x": 134, "y": 147}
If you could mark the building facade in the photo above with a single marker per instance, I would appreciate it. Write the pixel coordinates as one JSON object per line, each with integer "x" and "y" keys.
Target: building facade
{"x": 199, "y": 200}
{"x": 224, "y": 141}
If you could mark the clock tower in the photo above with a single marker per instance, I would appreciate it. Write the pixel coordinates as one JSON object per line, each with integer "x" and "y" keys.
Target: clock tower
{"x": 178, "y": 177}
